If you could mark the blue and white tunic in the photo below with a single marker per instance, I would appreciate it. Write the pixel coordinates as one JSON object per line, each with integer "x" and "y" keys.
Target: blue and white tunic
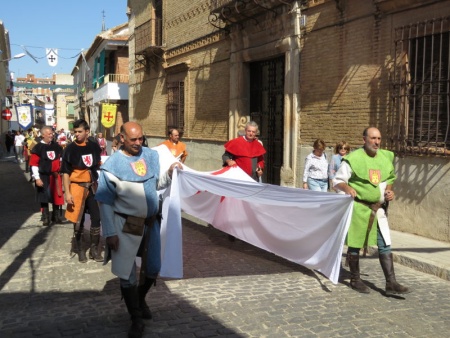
{"x": 128, "y": 185}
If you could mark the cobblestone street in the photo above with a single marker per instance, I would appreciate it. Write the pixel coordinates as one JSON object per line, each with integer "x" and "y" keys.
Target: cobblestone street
{"x": 230, "y": 289}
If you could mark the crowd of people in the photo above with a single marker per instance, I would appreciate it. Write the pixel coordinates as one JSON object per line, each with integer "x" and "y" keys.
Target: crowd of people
{"x": 121, "y": 195}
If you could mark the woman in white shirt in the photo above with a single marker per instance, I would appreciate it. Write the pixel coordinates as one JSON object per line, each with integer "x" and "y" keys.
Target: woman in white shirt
{"x": 315, "y": 175}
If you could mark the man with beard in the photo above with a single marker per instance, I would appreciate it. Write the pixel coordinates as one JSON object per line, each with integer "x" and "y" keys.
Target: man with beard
{"x": 129, "y": 207}
{"x": 367, "y": 174}
{"x": 45, "y": 163}
{"x": 80, "y": 162}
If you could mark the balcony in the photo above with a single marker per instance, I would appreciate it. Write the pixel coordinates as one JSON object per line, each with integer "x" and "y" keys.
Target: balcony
{"x": 114, "y": 87}
{"x": 236, "y": 11}
{"x": 148, "y": 37}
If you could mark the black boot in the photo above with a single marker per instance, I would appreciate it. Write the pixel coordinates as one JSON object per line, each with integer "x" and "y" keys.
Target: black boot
{"x": 80, "y": 250}
{"x": 392, "y": 287}
{"x": 355, "y": 279}
{"x": 94, "y": 251}
{"x": 45, "y": 216}
{"x": 56, "y": 215}
{"x": 143, "y": 290}
{"x": 130, "y": 296}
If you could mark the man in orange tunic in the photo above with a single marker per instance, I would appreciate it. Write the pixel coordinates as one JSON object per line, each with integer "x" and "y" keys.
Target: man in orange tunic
{"x": 80, "y": 163}
{"x": 176, "y": 147}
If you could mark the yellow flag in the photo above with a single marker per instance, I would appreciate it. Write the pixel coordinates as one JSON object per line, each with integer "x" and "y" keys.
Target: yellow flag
{"x": 108, "y": 114}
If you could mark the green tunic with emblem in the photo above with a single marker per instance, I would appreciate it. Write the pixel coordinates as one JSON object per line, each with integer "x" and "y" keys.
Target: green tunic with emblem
{"x": 367, "y": 174}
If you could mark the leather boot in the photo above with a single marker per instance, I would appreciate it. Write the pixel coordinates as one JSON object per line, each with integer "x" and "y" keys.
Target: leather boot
{"x": 45, "y": 216}
{"x": 94, "y": 251}
{"x": 81, "y": 252}
{"x": 143, "y": 290}
{"x": 56, "y": 215}
{"x": 130, "y": 296}
{"x": 355, "y": 279}
{"x": 392, "y": 287}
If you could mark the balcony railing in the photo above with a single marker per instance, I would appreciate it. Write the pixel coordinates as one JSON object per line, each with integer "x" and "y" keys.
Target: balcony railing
{"x": 117, "y": 78}
{"x": 148, "y": 36}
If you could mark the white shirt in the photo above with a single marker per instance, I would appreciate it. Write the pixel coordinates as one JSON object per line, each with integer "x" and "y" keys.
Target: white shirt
{"x": 315, "y": 167}
{"x": 18, "y": 140}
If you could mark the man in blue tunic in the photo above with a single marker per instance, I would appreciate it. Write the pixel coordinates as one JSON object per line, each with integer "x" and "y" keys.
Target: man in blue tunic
{"x": 129, "y": 206}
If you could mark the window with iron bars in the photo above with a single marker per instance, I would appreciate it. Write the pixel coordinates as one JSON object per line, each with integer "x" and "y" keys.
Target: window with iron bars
{"x": 175, "y": 106}
{"x": 420, "y": 119}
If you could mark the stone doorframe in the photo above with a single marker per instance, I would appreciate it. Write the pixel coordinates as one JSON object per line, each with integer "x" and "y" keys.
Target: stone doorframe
{"x": 240, "y": 56}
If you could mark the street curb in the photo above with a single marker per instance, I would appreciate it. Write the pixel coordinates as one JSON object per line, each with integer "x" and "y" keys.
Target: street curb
{"x": 416, "y": 264}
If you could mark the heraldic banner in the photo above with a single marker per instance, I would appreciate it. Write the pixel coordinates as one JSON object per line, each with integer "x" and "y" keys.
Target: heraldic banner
{"x": 108, "y": 114}
{"x": 24, "y": 115}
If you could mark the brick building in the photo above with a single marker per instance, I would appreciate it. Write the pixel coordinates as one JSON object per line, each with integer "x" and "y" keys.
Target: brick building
{"x": 302, "y": 70}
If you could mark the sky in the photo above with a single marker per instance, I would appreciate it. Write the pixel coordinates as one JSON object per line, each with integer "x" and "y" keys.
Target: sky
{"x": 66, "y": 25}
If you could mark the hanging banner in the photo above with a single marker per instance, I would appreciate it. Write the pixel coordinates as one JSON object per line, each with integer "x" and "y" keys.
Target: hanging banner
{"x": 52, "y": 56}
{"x": 108, "y": 114}
{"x": 6, "y": 114}
{"x": 25, "y": 115}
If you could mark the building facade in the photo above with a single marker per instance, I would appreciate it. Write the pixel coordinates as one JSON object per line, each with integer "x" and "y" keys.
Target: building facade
{"x": 5, "y": 82}
{"x": 302, "y": 70}
{"x": 101, "y": 76}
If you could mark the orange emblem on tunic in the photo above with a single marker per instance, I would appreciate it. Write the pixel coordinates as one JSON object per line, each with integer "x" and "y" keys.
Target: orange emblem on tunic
{"x": 139, "y": 167}
{"x": 374, "y": 176}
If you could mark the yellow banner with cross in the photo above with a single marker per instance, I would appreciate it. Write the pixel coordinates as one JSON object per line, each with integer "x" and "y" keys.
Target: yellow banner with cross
{"x": 109, "y": 112}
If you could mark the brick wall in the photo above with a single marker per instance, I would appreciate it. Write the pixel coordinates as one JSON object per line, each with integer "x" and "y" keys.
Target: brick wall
{"x": 185, "y": 20}
{"x": 122, "y": 66}
{"x": 336, "y": 64}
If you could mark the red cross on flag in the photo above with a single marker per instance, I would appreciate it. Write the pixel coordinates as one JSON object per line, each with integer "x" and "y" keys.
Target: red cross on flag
{"x": 108, "y": 114}
{"x": 52, "y": 56}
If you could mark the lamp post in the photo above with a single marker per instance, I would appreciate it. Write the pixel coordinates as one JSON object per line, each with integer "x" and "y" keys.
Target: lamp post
{"x": 17, "y": 56}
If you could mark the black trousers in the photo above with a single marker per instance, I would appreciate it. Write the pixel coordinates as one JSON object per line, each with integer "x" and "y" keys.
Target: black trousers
{"x": 91, "y": 205}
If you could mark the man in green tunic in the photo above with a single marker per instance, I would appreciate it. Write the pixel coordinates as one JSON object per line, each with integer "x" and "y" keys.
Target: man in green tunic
{"x": 367, "y": 174}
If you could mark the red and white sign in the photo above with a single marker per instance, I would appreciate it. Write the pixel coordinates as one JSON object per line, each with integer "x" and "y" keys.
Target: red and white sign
{"x": 6, "y": 114}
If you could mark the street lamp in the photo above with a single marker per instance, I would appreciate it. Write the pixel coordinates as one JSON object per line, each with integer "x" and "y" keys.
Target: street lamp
{"x": 17, "y": 56}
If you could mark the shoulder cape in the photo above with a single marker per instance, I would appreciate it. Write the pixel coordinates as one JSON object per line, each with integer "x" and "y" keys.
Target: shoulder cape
{"x": 137, "y": 168}
{"x": 241, "y": 147}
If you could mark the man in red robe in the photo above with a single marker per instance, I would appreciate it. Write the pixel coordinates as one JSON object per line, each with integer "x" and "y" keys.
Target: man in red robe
{"x": 246, "y": 152}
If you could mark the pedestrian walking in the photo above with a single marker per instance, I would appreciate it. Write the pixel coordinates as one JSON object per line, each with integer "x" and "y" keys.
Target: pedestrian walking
{"x": 80, "y": 162}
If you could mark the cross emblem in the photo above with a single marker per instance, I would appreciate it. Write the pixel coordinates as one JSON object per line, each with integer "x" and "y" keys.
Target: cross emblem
{"x": 108, "y": 116}
{"x": 52, "y": 58}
